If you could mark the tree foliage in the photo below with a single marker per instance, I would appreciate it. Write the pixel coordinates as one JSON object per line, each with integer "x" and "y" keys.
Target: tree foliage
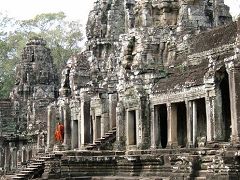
{"x": 63, "y": 38}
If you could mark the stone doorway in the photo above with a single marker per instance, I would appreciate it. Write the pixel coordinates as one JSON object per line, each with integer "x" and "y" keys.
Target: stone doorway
{"x": 161, "y": 126}
{"x": 91, "y": 129}
{"x": 226, "y": 111}
{"x": 132, "y": 135}
{"x": 201, "y": 129}
{"x": 98, "y": 127}
{"x": 222, "y": 106}
{"x": 181, "y": 124}
{"x": 75, "y": 134}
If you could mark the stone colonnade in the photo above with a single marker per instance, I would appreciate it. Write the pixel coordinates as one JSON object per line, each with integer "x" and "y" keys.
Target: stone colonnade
{"x": 221, "y": 123}
{"x": 13, "y": 155}
{"x": 189, "y": 119}
{"x": 85, "y": 120}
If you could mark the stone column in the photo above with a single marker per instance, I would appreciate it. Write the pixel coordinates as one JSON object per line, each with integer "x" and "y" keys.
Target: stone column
{"x": 13, "y": 151}
{"x": 218, "y": 118}
{"x": 67, "y": 125}
{"x": 51, "y": 125}
{"x": 153, "y": 127}
{"x": 120, "y": 125}
{"x": 139, "y": 128}
{"x": 79, "y": 128}
{"x": 189, "y": 109}
{"x": 172, "y": 125}
{"x": 7, "y": 159}
{"x": 85, "y": 119}
{"x": 1, "y": 156}
{"x": 105, "y": 114}
{"x": 74, "y": 140}
{"x": 94, "y": 119}
{"x": 24, "y": 154}
{"x": 234, "y": 86}
{"x": 104, "y": 124}
{"x": 112, "y": 110}
{"x": 210, "y": 116}
{"x": 194, "y": 107}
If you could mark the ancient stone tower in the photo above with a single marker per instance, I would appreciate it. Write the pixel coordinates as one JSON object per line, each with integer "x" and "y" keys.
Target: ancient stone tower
{"x": 35, "y": 88}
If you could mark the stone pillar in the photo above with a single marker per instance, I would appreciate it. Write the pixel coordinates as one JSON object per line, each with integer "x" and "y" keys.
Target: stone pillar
{"x": 67, "y": 125}
{"x": 7, "y": 159}
{"x": 94, "y": 119}
{"x": 234, "y": 86}
{"x": 172, "y": 125}
{"x": 85, "y": 120}
{"x": 218, "y": 119}
{"x": 24, "y": 154}
{"x": 120, "y": 127}
{"x": 51, "y": 125}
{"x": 112, "y": 110}
{"x": 75, "y": 111}
{"x": 79, "y": 127}
{"x": 194, "y": 107}
{"x": 1, "y": 156}
{"x": 153, "y": 127}
{"x": 139, "y": 128}
{"x": 105, "y": 114}
{"x": 74, "y": 127}
{"x": 189, "y": 109}
{"x": 210, "y": 116}
{"x": 13, "y": 151}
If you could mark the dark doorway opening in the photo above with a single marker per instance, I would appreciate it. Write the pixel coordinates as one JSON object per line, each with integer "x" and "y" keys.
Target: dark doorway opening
{"x": 75, "y": 134}
{"x": 226, "y": 111}
{"x": 161, "y": 136}
{"x": 132, "y": 138}
{"x": 91, "y": 129}
{"x": 98, "y": 127}
{"x": 201, "y": 118}
{"x": 181, "y": 124}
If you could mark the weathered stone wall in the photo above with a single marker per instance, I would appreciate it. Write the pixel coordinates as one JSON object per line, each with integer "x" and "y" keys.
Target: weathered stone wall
{"x": 7, "y": 120}
{"x": 142, "y": 52}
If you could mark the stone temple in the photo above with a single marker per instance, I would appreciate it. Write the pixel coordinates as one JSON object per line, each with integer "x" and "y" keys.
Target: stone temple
{"x": 155, "y": 94}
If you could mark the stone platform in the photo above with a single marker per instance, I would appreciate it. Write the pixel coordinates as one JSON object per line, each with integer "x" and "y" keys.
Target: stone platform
{"x": 199, "y": 163}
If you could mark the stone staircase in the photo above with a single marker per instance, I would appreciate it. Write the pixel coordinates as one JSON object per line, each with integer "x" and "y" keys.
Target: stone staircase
{"x": 34, "y": 169}
{"x": 98, "y": 144}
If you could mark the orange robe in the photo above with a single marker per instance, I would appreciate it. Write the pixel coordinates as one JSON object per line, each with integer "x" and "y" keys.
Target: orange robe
{"x": 59, "y": 133}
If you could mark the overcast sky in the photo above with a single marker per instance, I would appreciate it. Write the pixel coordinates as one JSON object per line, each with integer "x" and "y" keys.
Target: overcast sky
{"x": 74, "y": 9}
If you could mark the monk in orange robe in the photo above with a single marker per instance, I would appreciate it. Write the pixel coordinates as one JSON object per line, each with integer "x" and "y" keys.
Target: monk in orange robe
{"x": 59, "y": 133}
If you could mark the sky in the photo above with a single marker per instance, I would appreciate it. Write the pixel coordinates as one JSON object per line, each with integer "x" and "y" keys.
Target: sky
{"x": 74, "y": 9}
{"x": 27, "y": 9}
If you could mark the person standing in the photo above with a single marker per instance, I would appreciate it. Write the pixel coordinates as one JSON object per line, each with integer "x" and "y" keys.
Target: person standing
{"x": 59, "y": 132}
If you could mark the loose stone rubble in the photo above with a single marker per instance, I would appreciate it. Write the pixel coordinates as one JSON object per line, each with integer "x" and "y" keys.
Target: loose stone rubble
{"x": 154, "y": 94}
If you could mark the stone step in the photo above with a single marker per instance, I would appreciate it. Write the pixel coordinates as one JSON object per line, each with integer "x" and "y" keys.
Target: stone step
{"x": 97, "y": 142}
{"x": 202, "y": 173}
{"x": 90, "y": 145}
{"x": 109, "y": 133}
{"x": 21, "y": 175}
{"x": 37, "y": 163}
{"x": 17, "y": 177}
{"x": 27, "y": 172}
{"x": 200, "y": 178}
{"x": 30, "y": 168}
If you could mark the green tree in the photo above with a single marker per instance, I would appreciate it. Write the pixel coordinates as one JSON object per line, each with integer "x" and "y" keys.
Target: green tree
{"x": 7, "y": 62}
{"x": 62, "y": 35}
